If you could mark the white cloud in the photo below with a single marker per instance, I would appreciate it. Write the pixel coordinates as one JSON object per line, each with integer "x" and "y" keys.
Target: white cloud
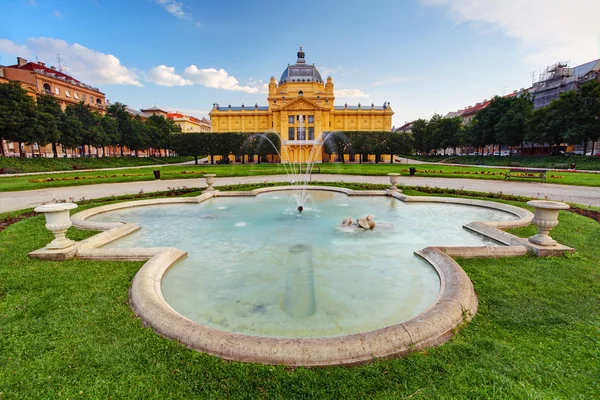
{"x": 57, "y": 14}
{"x": 8, "y": 46}
{"x": 548, "y": 30}
{"x": 84, "y": 64}
{"x": 396, "y": 79}
{"x": 220, "y": 79}
{"x": 175, "y": 8}
{"x": 326, "y": 71}
{"x": 165, "y": 76}
{"x": 350, "y": 93}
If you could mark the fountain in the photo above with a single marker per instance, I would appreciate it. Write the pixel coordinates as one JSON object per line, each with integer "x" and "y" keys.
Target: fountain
{"x": 298, "y": 172}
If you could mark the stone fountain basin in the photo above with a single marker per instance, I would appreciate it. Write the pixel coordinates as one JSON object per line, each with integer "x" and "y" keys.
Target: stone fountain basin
{"x": 456, "y": 303}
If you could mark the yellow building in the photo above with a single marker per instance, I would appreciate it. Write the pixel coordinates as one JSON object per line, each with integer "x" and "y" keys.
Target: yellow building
{"x": 301, "y": 108}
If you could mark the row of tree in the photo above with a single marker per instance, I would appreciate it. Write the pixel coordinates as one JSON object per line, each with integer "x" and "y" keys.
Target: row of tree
{"x": 263, "y": 145}
{"x": 42, "y": 121}
{"x": 572, "y": 118}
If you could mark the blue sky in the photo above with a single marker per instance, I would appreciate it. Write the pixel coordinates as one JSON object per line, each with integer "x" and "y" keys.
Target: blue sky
{"x": 423, "y": 56}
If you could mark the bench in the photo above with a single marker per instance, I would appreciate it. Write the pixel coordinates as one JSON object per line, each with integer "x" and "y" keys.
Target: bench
{"x": 515, "y": 164}
{"x": 560, "y": 166}
{"x": 530, "y": 174}
{"x": 315, "y": 169}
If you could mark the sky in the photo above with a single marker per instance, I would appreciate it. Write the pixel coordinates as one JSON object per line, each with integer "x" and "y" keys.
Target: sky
{"x": 422, "y": 56}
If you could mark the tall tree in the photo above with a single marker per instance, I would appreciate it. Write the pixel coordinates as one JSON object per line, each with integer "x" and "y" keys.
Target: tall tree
{"x": 119, "y": 112}
{"x": 18, "y": 119}
{"x": 91, "y": 133}
{"x": 419, "y": 131}
{"x": 399, "y": 143}
{"x": 589, "y": 116}
{"x": 50, "y": 116}
{"x": 512, "y": 125}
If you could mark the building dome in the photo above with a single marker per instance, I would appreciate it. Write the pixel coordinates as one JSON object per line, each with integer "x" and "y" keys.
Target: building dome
{"x": 301, "y": 72}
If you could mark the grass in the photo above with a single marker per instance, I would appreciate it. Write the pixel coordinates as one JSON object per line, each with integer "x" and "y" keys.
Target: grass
{"x": 581, "y": 162}
{"x": 66, "y": 331}
{"x": 15, "y": 165}
{"x": 17, "y": 183}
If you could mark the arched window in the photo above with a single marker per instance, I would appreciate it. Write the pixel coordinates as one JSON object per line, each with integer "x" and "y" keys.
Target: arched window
{"x": 300, "y": 93}
{"x": 47, "y": 88}
{"x": 98, "y": 102}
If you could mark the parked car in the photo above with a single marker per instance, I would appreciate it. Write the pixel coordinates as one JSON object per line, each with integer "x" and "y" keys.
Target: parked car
{"x": 557, "y": 153}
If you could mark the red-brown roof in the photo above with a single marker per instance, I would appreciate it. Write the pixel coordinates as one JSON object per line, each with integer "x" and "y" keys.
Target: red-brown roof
{"x": 31, "y": 66}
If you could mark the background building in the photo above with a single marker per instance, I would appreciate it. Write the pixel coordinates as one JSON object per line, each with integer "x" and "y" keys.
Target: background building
{"x": 189, "y": 124}
{"x": 37, "y": 78}
{"x": 301, "y": 108}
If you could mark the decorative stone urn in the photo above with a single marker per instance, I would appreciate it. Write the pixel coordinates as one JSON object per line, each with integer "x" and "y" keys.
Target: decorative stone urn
{"x": 545, "y": 218}
{"x": 58, "y": 220}
{"x": 210, "y": 179}
{"x": 394, "y": 181}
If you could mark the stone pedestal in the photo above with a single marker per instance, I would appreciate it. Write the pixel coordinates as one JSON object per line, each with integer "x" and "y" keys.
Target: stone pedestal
{"x": 58, "y": 220}
{"x": 394, "y": 181}
{"x": 545, "y": 218}
{"x": 210, "y": 179}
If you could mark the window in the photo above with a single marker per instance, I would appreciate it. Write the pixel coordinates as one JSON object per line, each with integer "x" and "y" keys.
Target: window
{"x": 300, "y": 93}
{"x": 311, "y": 133}
{"x": 98, "y": 101}
{"x": 47, "y": 88}
{"x": 291, "y": 133}
{"x": 311, "y": 119}
{"x": 83, "y": 97}
{"x": 291, "y": 119}
{"x": 67, "y": 93}
{"x": 57, "y": 90}
{"x": 91, "y": 99}
{"x": 76, "y": 95}
{"x": 302, "y": 133}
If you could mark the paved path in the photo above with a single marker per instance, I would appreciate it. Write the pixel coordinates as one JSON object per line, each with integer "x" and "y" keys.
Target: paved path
{"x": 11, "y": 201}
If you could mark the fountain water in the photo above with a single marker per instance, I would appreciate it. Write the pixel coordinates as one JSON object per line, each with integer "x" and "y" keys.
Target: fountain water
{"x": 299, "y": 170}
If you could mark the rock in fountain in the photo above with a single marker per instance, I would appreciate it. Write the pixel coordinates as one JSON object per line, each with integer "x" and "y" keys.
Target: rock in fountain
{"x": 364, "y": 223}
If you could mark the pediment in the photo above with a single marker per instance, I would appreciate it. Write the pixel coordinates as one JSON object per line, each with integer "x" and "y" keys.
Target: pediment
{"x": 301, "y": 104}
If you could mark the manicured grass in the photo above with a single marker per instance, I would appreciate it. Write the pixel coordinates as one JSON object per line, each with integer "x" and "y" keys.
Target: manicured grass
{"x": 196, "y": 171}
{"x": 581, "y": 162}
{"x": 15, "y": 165}
{"x": 66, "y": 330}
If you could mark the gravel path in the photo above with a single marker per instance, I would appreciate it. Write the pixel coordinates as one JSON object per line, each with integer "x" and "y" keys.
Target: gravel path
{"x": 11, "y": 201}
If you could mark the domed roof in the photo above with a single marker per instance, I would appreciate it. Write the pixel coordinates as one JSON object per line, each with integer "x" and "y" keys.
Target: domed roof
{"x": 301, "y": 72}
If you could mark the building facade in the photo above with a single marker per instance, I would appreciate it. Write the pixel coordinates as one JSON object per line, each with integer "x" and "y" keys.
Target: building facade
{"x": 301, "y": 109}
{"x": 189, "y": 124}
{"x": 37, "y": 78}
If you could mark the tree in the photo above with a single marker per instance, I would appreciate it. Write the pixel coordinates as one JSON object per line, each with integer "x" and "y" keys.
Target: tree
{"x": 159, "y": 131}
{"x": 49, "y": 116}
{"x": 449, "y": 130}
{"x": 419, "y": 131}
{"x": 91, "y": 133}
{"x": 399, "y": 143}
{"x": 511, "y": 127}
{"x": 589, "y": 115}
{"x": 119, "y": 112}
{"x": 190, "y": 144}
{"x": 17, "y": 115}
{"x": 337, "y": 143}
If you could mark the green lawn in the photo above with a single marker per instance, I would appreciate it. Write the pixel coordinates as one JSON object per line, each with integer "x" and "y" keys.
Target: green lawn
{"x": 15, "y": 165}
{"x": 581, "y": 162}
{"x": 66, "y": 331}
{"x": 16, "y": 183}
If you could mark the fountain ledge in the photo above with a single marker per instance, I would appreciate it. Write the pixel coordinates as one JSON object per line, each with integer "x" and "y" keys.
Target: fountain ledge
{"x": 455, "y": 305}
